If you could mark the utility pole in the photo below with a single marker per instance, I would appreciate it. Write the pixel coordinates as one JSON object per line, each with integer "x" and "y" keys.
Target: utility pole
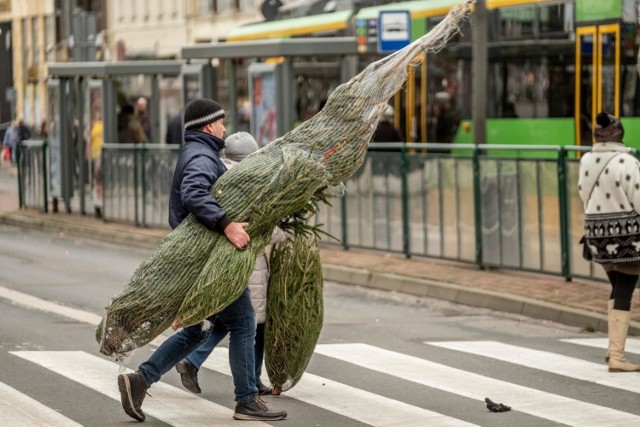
{"x": 479, "y": 72}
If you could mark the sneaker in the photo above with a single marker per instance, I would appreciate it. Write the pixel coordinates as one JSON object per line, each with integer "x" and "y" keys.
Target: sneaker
{"x": 263, "y": 390}
{"x": 133, "y": 389}
{"x": 189, "y": 376}
{"x": 257, "y": 410}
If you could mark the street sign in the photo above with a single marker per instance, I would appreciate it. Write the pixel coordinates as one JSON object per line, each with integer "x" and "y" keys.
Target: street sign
{"x": 394, "y": 30}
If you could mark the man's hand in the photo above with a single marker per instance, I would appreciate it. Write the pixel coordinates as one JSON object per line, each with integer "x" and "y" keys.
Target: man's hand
{"x": 236, "y": 235}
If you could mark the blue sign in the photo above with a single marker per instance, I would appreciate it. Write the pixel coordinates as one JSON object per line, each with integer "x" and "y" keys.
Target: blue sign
{"x": 394, "y": 30}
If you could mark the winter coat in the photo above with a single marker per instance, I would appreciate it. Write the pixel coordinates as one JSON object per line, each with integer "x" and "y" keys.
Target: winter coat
{"x": 609, "y": 186}
{"x": 259, "y": 279}
{"x": 197, "y": 169}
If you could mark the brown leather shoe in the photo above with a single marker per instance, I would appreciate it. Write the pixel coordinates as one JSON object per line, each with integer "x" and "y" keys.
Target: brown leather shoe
{"x": 257, "y": 410}
{"x": 133, "y": 390}
{"x": 189, "y": 376}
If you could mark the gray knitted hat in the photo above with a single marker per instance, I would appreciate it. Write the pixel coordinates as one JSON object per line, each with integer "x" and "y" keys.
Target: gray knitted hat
{"x": 608, "y": 128}
{"x": 200, "y": 112}
{"x": 239, "y": 145}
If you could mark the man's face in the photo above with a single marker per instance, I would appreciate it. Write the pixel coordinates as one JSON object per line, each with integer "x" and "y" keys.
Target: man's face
{"x": 216, "y": 128}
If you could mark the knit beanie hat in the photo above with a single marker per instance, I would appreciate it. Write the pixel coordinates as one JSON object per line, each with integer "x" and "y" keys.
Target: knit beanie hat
{"x": 608, "y": 128}
{"x": 239, "y": 145}
{"x": 200, "y": 112}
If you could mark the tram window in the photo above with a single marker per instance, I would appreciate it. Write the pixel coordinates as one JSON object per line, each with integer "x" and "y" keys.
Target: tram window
{"x": 532, "y": 21}
{"x": 630, "y": 91}
{"x": 530, "y": 88}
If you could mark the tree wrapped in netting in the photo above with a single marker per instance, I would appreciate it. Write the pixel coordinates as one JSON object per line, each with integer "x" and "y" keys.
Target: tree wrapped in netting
{"x": 196, "y": 272}
{"x": 294, "y": 310}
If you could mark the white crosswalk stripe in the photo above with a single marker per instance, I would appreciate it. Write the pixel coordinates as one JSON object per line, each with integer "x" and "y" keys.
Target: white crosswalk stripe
{"x": 534, "y": 402}
{"x": 632, "y": 345}
{"x": 550, "y": 362}
{"x": 169, "y": 404}
{"x": 349, "y": 401}
{"x": 18, "y": 409}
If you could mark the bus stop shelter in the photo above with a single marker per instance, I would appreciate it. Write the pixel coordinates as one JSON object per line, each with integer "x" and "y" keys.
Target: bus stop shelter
{"x": 274, "y": 60}
{"x": 77, "y": 91}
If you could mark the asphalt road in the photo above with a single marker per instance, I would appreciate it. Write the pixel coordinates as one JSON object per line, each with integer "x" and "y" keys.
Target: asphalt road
{"x": 382, "y": 359}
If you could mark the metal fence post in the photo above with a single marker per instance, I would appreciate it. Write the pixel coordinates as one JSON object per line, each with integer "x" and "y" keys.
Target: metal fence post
{"x": 143, "y": 168}
{"x": 564, "y": 214}
{"x": 343, "y": 213}
{"x": 404, "y": 194}
{"x": 20, "y": 177}
{"x": 477, "y": 205}
{"x": 135, "y": 186}
{"x": 45, "y": 175}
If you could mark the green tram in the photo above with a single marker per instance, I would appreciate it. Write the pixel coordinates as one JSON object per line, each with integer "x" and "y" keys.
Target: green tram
{"x": 552, "y": 65}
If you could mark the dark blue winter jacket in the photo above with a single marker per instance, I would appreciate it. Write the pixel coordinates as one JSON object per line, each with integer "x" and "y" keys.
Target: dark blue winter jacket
{"x": 198, "y": 168}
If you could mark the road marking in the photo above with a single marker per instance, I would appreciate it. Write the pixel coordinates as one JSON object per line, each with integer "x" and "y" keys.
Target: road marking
{"x": 351, "y": 402}
{"x": 534, "y": 402}
{"x": 48, "y": 306}
{"x": 168, "y": 404}
{"x": 632, "y": 344}
{"x": 550, "y": 362}
{"x": 18, "y": 409}
{"x": 30, "y": 301}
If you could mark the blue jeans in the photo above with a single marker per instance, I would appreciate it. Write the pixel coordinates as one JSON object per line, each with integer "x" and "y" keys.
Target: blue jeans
{"x": 239, "y": 320}
{"x": 198, "y": 356}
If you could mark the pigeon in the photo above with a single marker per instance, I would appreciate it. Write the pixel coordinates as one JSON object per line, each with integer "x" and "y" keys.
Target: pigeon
{"x": 496, "y": 407}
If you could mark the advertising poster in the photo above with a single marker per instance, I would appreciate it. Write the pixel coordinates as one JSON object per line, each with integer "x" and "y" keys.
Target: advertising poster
{"x": 263, "y": 105}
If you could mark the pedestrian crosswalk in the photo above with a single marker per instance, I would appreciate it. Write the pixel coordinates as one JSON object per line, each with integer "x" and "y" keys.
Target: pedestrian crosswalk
{"x": 538, "y": 403}
{"x": 175, "y": 406}
{"x": 18, "y": 409}
{"x": 346, "y": 398}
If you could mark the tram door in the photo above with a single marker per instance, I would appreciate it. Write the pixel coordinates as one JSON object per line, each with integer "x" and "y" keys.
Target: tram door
{"x": 597, "y": 77}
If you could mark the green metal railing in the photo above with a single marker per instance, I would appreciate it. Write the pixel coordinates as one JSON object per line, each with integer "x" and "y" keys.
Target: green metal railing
{"x": 33, "y": 176}
{"x": 492, "y": 205}
{"x": 136, "y": 182}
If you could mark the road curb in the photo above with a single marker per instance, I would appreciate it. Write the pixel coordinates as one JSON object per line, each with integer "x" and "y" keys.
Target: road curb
{"x": 473, "y": 297}
{"x": 111, "y": 236}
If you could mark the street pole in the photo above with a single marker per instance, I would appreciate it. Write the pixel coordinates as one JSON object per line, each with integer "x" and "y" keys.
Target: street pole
{"x": 479, "y": 72}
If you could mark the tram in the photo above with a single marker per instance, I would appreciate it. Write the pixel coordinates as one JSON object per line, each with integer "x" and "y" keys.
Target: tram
{"x": 552, "y": 65}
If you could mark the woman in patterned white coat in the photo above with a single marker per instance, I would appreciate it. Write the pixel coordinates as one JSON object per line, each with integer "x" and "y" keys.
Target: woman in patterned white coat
{"x": 237, "y": 147}
{"x": 609, "y": 186}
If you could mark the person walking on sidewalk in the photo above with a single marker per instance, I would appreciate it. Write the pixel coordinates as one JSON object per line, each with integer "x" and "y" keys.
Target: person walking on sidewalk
{"x": 197, "y": 169}
{"x": 609, "y": 186}
{"x": 237, "y": 147}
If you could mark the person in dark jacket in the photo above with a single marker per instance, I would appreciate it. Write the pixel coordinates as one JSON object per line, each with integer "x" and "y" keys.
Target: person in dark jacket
{"x": 174, "y": 129}
{"x": 386, "y": 131}
{"x": 197, "y": 169}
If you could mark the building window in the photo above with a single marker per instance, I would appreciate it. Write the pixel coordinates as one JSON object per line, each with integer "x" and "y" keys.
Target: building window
{"x": 206, "y": 6}
{"x": 26, "y": 48}
{"x": 50, "y": 38}
{"x": 225, "y": 6}
{"x": 35, "y": 42}
{"x": 246, "y": 5}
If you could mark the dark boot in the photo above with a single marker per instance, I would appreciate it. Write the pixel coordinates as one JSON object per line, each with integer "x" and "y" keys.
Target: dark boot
{"x": 257, "y": 410}
{"x": 133, "y": 389}
{"x": 189, "y": 376}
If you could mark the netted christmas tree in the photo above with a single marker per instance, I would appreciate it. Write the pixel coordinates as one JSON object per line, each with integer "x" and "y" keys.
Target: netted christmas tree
{"x": 196, "y": 272}
{"x": 294, "y": 310}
